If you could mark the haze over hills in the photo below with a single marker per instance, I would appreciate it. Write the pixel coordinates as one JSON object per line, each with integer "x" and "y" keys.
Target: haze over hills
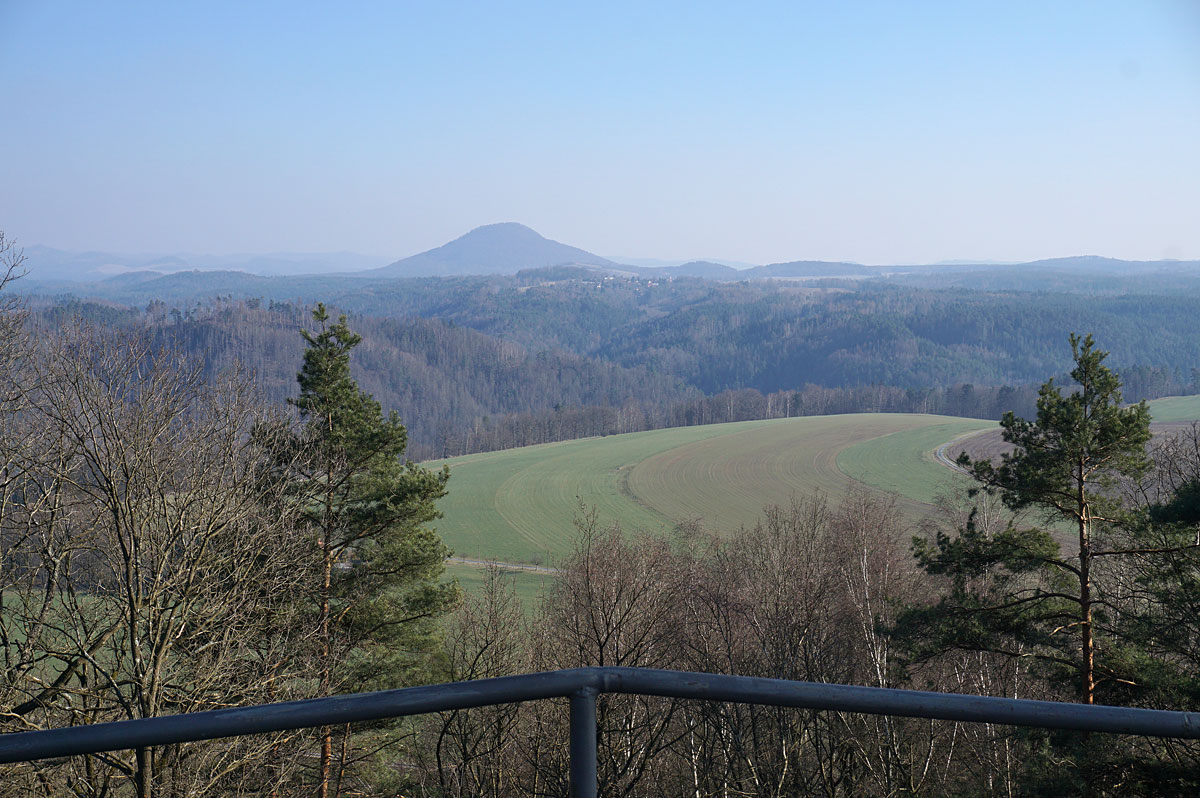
{"x": 705, "y": 269}
{"x": 1099, "y": 264}
{"x": 656, "y": 263}
{"x": 56, "y": 265}
{"x": 508, "y": 248}
{"x": 503, "y": 248}
{"x": 579, "y": 328}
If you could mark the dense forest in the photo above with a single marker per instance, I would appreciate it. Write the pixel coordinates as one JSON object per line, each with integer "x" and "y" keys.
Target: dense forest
{"x": 478, "y": 363}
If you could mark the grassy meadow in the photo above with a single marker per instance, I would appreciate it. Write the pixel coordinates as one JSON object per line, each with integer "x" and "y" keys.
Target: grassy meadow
{"x": 1174, "y": 409}
{"x": 904, "y": 463}
{"x": 518, "y": 505}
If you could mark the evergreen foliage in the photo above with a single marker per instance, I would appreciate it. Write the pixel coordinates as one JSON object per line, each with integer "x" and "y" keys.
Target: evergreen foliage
{"x": 370, "y": 507}
{"x": 1015, "y": 591}
{"x": 1114, "y": 615}
{"x": 379, "y": 596}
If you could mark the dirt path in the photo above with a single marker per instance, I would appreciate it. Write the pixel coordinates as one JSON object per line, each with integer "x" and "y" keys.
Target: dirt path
{"x": 509, "y": 566}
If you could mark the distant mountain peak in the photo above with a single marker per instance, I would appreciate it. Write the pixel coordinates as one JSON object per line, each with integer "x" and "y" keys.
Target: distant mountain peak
{"x": 501, "y": 248}
{"x": 504, "y": 228}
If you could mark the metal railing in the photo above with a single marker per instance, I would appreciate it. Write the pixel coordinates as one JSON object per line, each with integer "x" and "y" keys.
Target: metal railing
{"x": 582, "y": 686}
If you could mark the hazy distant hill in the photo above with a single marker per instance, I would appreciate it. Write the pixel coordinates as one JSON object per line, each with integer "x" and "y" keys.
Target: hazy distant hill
{"x": 47, "y": 263}
{"x": 492, "y": 249}
{"x": 55, "y": 265}
{"x": 659, "y": 263}
{"x": 501, "y": 250}
{"x": 812, "y": 269}
{"x": 283, "y": 264}
{"x": 1101, "y": 265}
{"x": 705, "y": 269}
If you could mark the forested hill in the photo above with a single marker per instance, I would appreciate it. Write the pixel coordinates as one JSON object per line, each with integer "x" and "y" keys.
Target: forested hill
{"x": 476, "y": 363}
{"x": 765, "y": 335}
{"x": 443, "y": 379}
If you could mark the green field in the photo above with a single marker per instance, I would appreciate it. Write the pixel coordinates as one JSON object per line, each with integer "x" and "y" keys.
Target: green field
{"x": 528, "y": 584}
{"x": 1175, "y": 409}
{"x": 904, "y": 462}
{"x": 518, "y": 505}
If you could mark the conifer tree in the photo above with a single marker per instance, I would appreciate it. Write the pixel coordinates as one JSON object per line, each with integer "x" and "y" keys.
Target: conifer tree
{"x": 379, "y": 596}
{"x": 1017, "y": 590}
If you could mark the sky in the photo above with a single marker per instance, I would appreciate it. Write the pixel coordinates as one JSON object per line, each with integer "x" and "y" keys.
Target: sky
{"x": 877, "y": 132}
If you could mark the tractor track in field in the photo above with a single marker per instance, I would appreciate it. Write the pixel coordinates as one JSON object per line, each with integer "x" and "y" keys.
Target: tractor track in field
{"x": 940, "y": 455}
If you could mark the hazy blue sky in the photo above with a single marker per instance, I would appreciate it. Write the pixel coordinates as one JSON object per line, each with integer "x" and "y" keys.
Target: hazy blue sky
{"x": 877, "y": 132}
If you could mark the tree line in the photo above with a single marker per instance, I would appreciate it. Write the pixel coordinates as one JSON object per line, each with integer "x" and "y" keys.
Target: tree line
{"x": 569, "y": 423}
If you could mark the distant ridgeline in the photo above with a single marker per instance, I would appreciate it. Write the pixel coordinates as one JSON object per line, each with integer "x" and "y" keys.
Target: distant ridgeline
{"x": 480, "y": 363}
{"x": 510, "y": 249}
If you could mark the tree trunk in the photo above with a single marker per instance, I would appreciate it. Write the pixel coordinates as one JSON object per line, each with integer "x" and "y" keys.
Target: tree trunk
{"x": 142, "y": 773}
{"x": 1087, "y": 674}
{"x": 326, "y": 653}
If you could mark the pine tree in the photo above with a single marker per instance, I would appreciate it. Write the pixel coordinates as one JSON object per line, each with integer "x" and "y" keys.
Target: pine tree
{"x": 1017, "y": 590}
{"x": 379, "y": 596}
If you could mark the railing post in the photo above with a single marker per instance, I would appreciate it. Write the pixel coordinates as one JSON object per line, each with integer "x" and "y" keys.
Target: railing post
{"x": 583, "y": 743}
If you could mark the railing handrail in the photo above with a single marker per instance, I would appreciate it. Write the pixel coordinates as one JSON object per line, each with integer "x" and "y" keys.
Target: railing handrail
{"x": 582, "y": 685}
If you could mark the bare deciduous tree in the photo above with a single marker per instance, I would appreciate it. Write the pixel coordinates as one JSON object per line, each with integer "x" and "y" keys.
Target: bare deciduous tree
{"x": 147, "y": 568}
{"x": 615, "y": 604}
{"x": 473, "y": 752}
